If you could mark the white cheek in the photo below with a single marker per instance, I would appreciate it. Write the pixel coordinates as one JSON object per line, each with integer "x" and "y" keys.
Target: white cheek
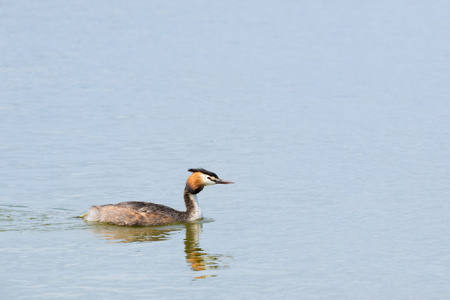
{"x": 206, "y": 181}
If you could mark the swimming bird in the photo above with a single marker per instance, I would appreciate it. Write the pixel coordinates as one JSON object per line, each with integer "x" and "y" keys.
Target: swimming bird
{"x": 134, "y": 213}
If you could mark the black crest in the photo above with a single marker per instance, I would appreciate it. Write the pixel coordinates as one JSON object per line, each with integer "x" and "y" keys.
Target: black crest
{"x": 206, "y": 172}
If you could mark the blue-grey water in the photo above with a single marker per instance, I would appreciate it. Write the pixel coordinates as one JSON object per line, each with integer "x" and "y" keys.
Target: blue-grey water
{"x": 331, "y": 117}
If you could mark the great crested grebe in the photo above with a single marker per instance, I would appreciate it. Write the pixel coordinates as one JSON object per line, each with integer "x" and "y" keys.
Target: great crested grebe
{"x": 133, "y": 213}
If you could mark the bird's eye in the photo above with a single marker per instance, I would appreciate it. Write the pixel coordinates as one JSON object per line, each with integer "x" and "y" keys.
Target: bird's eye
{"x": 212, "y": 179}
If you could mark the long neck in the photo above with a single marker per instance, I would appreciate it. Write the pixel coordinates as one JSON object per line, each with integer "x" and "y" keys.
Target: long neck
{"x": 192, "y": 208}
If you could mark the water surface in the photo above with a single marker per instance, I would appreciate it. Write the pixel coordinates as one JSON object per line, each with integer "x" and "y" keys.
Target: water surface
{"x": 331, "y": 118}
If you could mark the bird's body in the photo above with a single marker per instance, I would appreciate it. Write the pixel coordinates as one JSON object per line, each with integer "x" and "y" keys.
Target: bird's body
{"x": 133, "y": 213}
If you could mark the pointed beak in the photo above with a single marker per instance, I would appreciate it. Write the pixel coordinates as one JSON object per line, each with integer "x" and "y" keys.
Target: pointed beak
{"x": 220, "y": 181}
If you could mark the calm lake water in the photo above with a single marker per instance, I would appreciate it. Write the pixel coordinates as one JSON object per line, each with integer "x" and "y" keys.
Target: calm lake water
{"x": 332, "y": 118}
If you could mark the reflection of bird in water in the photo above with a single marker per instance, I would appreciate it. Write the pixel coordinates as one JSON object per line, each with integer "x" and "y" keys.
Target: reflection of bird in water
{"x": 133, "y": 213}
{"x": 196, "y": 257}
{"x": 123, "y": 234}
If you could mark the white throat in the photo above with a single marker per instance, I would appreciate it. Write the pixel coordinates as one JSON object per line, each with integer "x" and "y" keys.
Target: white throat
{"x": 197, "y": 214}
{"x": 198, "y": 210}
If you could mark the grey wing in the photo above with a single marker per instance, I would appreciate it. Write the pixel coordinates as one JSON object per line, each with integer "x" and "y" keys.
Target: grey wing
{"x": 147, "y": 207}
